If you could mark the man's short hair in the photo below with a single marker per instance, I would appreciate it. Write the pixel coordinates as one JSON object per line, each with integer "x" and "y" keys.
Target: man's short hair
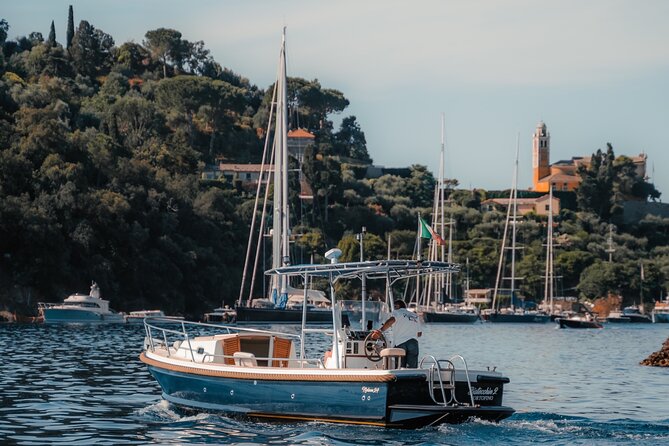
{"x": 400, "y": 303}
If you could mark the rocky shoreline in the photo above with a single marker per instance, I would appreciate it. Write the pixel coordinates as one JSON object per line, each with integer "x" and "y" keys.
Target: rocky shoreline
{"x": 660, "y": 358}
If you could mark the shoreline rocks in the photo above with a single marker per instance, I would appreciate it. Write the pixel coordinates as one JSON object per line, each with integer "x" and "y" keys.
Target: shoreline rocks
{"x": 660, "y": 358}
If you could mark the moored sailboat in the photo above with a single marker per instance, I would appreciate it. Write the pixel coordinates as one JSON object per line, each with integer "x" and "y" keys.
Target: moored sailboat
{"x": 276, "y": 308}
{"x": 516, "y": 311}
{"x": 438, "y": 297}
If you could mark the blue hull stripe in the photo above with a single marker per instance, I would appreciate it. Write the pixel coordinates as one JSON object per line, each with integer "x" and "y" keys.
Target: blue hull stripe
{"x": 363, "y": 401}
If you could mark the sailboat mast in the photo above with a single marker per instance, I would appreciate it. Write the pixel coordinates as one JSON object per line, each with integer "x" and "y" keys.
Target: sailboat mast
{"x": 549, "y": 287}
{"x": 502, "y": 251}
{"x": 283, "y": 134}
{"x": 514, "y": 197}
{"x": 441, "y": 205}
{"x": 280, "y": 228}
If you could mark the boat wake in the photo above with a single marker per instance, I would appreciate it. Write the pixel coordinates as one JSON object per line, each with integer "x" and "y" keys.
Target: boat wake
{"x": 164, "y": 412}
{"x": 557, "y": 429}
{"x": 169, "y": 424}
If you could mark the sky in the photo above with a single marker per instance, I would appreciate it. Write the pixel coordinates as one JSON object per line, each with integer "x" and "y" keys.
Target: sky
{"x": 595, "y": 72}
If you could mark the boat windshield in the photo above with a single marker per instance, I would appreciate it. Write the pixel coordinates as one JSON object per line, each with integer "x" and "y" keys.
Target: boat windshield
{"x": 82, "y": 304}
{"x": 375, "y": 312}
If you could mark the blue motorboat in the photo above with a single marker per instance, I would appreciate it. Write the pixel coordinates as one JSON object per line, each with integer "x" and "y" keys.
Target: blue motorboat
{"x": 262, "y": 374}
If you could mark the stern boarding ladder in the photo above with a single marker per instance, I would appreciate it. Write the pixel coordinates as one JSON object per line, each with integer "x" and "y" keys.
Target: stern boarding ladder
{"x": 441, "y": 379}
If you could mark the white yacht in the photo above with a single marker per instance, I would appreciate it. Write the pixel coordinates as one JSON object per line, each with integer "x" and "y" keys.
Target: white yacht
{"x": 84, "y": 308}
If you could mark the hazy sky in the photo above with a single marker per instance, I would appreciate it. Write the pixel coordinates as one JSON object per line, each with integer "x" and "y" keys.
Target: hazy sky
{"x": 595, "y": 71}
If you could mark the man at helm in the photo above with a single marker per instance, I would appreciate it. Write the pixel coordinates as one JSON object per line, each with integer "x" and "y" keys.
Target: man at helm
{"x": 406, "y": 331}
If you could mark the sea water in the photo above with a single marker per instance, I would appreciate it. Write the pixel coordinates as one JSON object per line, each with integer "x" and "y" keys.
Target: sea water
{"x": 84, "y": 384}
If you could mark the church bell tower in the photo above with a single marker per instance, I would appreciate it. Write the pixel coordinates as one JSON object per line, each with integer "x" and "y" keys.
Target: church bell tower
{"x": 541, "y": 149}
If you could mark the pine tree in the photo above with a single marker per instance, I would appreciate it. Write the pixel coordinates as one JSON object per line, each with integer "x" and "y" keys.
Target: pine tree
{"x": 52, "y": 35}
{"x": 70, "y": 27}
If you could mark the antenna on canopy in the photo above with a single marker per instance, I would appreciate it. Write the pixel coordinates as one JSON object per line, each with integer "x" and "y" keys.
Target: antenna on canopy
{"x": 333, "y": 255}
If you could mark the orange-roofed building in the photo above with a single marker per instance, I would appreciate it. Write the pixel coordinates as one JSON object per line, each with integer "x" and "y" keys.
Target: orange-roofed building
{"x": 298, "y": 141}
{"x": 562, "y": 175}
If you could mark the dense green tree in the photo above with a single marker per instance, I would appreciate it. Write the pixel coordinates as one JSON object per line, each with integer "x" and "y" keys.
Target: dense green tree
{"x": 165, "y": 45}
{"x": 420, "y": 186}
{"x": 35, "y": 38}
{"x": 132, "y": 58}
{"x": 314, "y": 103}
{"x": 4, "y": 28}
{"x": 350, "y": 140}
{"x": 568, "y": 267}
{"x": 52, "y": 35}
{"x": 608, "y": 181}
{"x": 70, "y": 27}
{"x": 374, "y": 248}
{"x": 91, "y": 50}
{"x": 135, "y": 120}
{"x": 323, "y": 175}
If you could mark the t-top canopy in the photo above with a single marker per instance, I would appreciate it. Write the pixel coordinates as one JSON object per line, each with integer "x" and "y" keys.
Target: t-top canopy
{"x": 381, "y": 269}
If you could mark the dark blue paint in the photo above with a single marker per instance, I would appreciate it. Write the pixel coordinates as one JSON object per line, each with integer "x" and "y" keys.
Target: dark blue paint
{"x": 310, "y": 399}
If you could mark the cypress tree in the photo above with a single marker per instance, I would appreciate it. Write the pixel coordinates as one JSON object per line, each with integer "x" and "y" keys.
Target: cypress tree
{"x": 52, "y": 35}
{"x": 70, "y": 27}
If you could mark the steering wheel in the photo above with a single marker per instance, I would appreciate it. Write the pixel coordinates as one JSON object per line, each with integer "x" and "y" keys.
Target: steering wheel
{"x": 373, "y": 347}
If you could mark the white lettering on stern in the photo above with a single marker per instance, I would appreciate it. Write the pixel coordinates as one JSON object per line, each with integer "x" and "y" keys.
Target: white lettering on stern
{"x": 484, "y": 394}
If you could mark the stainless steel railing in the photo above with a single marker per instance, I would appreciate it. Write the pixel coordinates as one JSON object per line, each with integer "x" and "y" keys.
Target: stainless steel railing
{"x": 157, "y": 335}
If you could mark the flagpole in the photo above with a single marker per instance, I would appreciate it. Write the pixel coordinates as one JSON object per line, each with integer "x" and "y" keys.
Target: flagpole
{"x": 420, "y": 227}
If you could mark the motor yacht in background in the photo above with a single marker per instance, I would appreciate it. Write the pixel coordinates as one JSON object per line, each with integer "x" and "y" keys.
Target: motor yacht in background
{"x": 221, "y": 314}
{"x": 84, "y": 308}
{"x": 633, "y": 312}
{"x": 617, "y": 317}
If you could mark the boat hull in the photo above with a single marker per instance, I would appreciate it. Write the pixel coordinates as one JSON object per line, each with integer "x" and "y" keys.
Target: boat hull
{"x": 446, "y": 317}
{"x": 248, "y": 315}
{"x": 568, "y": 323}
{"x": 661, "y": 318}
{"x": 519, "y": 318}
{"x": 67, "y": 315}
{"x": 619, "y": 320}
{"x": 403, "y": 402}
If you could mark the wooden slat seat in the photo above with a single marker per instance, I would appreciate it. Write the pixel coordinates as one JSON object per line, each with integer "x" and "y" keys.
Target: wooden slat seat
{"x": 281, "y": 349}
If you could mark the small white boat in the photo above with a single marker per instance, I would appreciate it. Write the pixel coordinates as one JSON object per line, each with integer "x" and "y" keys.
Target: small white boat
{"x": 137, "y": 317}
{"x": 85, "y": 308}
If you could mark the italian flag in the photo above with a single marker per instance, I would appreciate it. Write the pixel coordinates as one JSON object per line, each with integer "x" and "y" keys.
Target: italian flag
{"x": 426, "y": 231}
